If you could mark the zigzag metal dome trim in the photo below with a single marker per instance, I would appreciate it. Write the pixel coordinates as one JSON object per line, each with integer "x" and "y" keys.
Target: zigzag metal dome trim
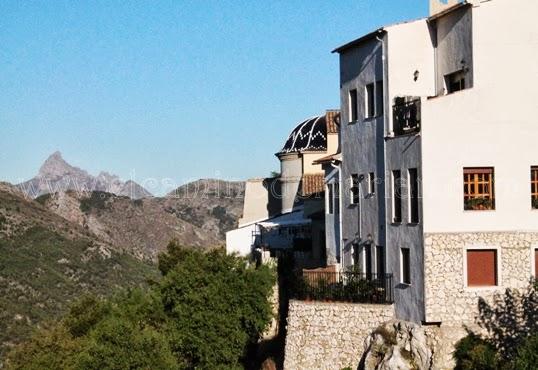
{"x": 309, "y": 135}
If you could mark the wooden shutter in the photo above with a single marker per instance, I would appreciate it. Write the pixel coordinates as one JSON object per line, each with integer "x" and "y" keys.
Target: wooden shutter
{"x": 481, "y": 267}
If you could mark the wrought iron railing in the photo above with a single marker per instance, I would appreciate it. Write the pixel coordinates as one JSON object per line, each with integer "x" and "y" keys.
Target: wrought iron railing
{"x": 345, "y": 286}
{"x": 406, "y": 115}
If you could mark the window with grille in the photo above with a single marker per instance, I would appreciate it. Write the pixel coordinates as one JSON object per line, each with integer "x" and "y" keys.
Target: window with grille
{"x": 478, "y": 188}
{"x": 534, "y": 187}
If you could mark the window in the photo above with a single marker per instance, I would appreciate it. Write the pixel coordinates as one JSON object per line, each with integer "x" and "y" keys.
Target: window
{"x": 406, "y": 113}
{"x": 354, "y": 189}
{"x": 368, "y": 261}
{"x": 370, "y": 101}
{"x": 330, "y": 197}
{"x": 413, "y": 196}
{"x": 371, "y": 183}
{"x": 379, "y": 98}
{"x": 455, "y": 82}
{"x": 396, "y": 196}
{"x": 336, "y": 198}
{"x": 353, "y": 108}
{"x": 481, "y": 267}
{"x": 478, "y": 188}
{"x": 405, "y": 266}
{"x": 534, "y": 187}
{"x": 380, "y": 261}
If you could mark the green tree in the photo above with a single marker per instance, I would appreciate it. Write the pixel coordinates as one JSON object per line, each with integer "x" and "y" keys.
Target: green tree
{"x": 207, "y": 310}
{"x": 217, "y": 303}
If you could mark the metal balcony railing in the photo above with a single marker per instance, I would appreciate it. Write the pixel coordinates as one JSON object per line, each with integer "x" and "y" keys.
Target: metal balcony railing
{"x": 406, "y": 115}
{"x": 345, "y": 286}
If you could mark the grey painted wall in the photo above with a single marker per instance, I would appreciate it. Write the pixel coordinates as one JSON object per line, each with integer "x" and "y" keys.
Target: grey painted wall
{"x": 453, "y": 38}
{"x": 362, "y": 148}
{"x": 365, "y": 149}
{"x": 403, "y": 153}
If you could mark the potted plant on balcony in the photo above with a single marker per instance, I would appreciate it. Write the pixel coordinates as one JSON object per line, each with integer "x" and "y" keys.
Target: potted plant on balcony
{"x": 535, "y": 203}
{"x": 478, "y": 204}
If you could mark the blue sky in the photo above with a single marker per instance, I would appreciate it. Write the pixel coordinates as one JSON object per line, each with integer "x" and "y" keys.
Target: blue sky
{"x": 170, "y": 89}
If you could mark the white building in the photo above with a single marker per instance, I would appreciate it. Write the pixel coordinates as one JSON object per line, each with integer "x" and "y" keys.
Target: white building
{"x": 439, "y": 176}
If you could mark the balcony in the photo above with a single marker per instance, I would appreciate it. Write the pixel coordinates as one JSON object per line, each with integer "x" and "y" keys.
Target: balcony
{"x": 345, "y": 286}
{"x": 406, "y": 115}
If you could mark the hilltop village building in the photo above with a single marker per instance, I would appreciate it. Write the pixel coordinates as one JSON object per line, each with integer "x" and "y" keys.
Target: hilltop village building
{"x": 432, "y": 183}
{"x": 438, "y": 156}
{"x": 286, "y": 212}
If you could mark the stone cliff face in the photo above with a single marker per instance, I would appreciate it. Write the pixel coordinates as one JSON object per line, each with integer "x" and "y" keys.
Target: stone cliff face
{"x": 56, "y": 175}
{"x": 145, "y": 226}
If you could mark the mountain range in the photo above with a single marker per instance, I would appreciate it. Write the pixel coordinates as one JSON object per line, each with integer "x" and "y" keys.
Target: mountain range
{"x": 46, "y": 261}
{"x": 58, "y": 242}
{"x": 126, "y": 216}
{"x": 56, "y": 175}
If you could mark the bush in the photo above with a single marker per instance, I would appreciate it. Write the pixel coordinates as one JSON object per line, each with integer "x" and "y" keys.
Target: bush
{"x": 511, "y": 340}
{"x": 473, "y": 353}
{"x": 527, "y": 354}
{"x": 207, "y": 310}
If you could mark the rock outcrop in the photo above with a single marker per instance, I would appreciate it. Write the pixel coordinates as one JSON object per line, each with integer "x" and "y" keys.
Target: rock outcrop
{"x": 397, "y": 345}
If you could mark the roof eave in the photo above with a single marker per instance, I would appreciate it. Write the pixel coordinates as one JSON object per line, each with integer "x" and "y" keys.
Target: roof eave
{"x": 360, "y": 40}
{"x": 448, "y": 10}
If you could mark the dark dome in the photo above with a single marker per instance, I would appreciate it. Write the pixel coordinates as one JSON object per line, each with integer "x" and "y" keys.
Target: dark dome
{"x": 309, "y": 135}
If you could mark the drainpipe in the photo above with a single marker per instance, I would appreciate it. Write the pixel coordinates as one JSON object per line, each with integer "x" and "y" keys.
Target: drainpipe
{"x": 385, "y": 128}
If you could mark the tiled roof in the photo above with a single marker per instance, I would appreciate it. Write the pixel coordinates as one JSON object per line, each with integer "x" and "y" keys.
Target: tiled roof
{"x": 312, "y": 184}
{"x": 311, "y": 134}
{"x": 332, "y": 117}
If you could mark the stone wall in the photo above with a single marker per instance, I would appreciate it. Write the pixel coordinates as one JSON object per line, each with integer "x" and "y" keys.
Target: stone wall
{"x": 447, "y": 298}
{"x": 330, "y": 335}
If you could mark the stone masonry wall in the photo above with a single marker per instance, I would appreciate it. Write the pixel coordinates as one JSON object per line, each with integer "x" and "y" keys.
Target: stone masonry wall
{"x": 330, "y": 335}
{"x": 447, "y": 298}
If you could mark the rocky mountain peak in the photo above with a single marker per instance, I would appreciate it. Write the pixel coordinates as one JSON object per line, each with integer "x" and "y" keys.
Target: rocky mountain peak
{"x": 55, "y": 166}
{"x": 56, "y": 175}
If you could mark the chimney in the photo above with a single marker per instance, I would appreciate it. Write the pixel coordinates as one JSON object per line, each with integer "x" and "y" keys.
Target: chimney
{"x": 437, "y": 6}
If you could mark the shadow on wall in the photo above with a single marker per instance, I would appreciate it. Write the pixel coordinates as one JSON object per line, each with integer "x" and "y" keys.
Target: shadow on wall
{"x": 510, "y": 319}
{"x": 510, "y": 333}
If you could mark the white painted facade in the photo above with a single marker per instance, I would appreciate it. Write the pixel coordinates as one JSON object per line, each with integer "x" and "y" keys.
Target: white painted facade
{"x": 493, "y": 124}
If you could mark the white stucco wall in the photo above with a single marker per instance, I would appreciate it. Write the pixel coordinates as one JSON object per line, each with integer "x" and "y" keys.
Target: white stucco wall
{"x": 494, "y": 124}
{"x": 240, "y": 240}
{"x": 409, "y": 50}
{"x": 308, "y": 158}
{"x": 255, "y": 203}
